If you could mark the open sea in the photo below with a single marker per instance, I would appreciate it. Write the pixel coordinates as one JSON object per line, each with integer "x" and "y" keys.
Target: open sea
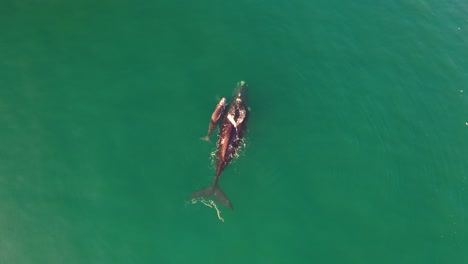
{"x": 357, "y": 149}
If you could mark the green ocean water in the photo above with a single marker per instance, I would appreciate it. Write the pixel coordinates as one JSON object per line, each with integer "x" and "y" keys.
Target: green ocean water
{"x": 356, "y": 150}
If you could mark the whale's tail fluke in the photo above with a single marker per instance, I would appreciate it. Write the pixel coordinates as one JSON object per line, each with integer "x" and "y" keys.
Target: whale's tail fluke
{"x": 215, "y": 191}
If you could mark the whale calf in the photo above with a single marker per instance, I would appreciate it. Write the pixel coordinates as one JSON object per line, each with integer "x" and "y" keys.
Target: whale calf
{"x": 215, "y": 117}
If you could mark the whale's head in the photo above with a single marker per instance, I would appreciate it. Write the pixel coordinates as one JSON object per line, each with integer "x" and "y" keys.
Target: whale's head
{"x": 222, "y": 102}
{"x": 240, "y": 93}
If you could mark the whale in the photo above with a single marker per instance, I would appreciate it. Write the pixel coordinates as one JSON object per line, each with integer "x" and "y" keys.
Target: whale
{"x": 232, "y": 129}
{"x": 215, "y": 117}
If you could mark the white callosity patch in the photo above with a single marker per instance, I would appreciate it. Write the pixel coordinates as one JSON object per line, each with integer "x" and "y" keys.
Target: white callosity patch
{"x": 240, "y": 118}
{"x": 242, "y": 114}
{"x": 231, "y": 119}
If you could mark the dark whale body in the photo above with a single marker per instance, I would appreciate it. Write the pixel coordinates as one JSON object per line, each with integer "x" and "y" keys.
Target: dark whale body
{"x": 230, "y": 139}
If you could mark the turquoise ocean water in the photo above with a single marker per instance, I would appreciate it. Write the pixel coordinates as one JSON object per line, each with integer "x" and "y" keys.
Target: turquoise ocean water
{"x": 356, "y": 152}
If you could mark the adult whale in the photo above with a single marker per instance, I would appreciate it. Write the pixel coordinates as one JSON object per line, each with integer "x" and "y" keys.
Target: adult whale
{"x": 230, "y": 139}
